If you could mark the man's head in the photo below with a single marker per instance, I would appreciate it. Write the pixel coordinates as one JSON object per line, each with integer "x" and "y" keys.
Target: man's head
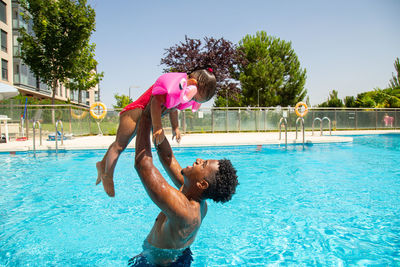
{"x": 206, "y": 84}
{"x": 216, "y": 179}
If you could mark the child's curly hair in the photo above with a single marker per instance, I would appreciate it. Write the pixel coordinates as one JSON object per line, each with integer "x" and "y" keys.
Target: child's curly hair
{"x": 222, "y": 186}
{"x": 206, "y": 82}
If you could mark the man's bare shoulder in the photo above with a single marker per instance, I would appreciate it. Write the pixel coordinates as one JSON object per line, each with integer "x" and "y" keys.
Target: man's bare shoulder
{"x": 194, "y": 212}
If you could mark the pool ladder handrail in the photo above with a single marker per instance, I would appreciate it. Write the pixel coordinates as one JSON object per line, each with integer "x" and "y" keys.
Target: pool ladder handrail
{"x": 34, "y": 135}
{"x": 62, "y": 134}
{"x": 320, "y": 123}
{"x": 280, "y": 126}
{"x": 329, "y": 123}
{"x": 301, "y": 120}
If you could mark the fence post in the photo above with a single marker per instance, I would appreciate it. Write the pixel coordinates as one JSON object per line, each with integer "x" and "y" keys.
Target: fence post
{"x": 265, "y": 120}
{"x": 240, "y": 119}
{"x": 257, "y": 120}
{"x": 226, "y": 120}
{"x": 335, "y": 119}
{"x": 212, "y": 120}
{"x": 26, "y": 125}
{"x": 356, "y": 118}
{"x": 90, "y": 129}
{"x": 184, "y": 121}
{"x": 312, "y": 112}
{"x": 70, "y": 119}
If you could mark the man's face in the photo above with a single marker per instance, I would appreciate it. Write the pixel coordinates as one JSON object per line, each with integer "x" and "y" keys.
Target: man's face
{"x": 200, "y": 169}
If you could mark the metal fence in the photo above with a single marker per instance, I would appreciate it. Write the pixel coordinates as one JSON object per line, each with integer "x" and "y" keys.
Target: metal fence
{"x": 267, "y": 119}
{"x": 77, "y": 120}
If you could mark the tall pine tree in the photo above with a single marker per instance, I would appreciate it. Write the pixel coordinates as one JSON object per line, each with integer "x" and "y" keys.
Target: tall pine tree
{"x": 271, "y": 74}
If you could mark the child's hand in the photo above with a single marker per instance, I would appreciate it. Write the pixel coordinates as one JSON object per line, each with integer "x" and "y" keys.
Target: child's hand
{"x": 158, "y": 137}
{"x": 176, "y": 133}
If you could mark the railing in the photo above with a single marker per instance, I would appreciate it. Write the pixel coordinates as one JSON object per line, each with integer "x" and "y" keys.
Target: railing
{"x": 329, "y": 124}
{"x": 283, "y": 121}
{"x": 320, "y": 125}
{"x": 301, "y": 121}
{"x": 34, "y": 136}
{"x": 56, "y": 134}
{"x": 77, "y": 120}
{"x": 321, "y": 121}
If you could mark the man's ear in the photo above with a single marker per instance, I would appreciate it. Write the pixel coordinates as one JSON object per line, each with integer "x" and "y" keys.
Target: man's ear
{"x": 203, "y": 184}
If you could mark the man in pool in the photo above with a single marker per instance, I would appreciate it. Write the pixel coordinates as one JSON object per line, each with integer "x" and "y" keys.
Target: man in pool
{"x": 183, "y": 210}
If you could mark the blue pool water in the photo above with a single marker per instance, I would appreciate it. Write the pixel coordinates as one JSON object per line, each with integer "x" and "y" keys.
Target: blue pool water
{"x": 328, "y": 204}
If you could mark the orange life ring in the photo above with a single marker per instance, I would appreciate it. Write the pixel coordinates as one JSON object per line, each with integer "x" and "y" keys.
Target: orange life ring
{"x": 76, "y": 116}
{"x": 296, "y": 109}
{"x": 98, "y": 116}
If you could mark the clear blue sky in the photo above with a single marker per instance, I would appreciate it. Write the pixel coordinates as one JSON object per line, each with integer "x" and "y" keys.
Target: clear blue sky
{"x": 346, "y": 45}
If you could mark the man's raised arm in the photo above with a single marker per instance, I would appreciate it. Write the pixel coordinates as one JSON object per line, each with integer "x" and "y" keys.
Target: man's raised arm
{"x": 169, "y": 162}
{"x": 167, "y": 198}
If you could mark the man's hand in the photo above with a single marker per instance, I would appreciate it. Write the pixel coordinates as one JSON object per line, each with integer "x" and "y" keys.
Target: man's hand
{"x": 177, "y": 134}
{"x": 158, "y": 137}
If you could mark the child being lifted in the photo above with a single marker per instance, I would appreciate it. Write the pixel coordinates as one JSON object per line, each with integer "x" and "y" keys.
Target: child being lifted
{"x": 170, "y": 92}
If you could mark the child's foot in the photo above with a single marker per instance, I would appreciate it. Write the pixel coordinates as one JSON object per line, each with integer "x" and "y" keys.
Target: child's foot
{"x": 108, "y": 184}
{"x": 100, "y": 172}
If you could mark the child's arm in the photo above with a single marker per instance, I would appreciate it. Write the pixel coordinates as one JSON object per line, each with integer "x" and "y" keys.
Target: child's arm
{"x": 156, "y": 109}
{"x": 173, "y": 117}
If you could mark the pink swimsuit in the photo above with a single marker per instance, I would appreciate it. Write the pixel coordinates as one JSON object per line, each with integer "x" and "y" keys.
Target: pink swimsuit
{"x": 174, "y": 86}
{"x": 141, "y": 102}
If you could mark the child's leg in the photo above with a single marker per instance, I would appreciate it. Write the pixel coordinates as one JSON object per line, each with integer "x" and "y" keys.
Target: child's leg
{"x": 126, "y": 131}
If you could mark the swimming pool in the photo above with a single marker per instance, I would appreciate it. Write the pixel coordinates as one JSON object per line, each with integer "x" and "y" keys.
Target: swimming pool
{"x": 327, "y": 204}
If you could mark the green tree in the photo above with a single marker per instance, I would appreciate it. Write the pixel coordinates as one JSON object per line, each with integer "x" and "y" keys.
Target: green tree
{"x": 60, "y": 31}
{"x": 394, "y": 83}
{"x": 394, "y": 100}
{"x": 350, "y": 102}
{"x": 84, "y": 73}
{"x": 394, "y": 86}
{"x": 122, "y": 100}
{"x": 219, "y": 54}
{"x": 379, "y": 98}
{"x": 270, "y": 74}
{"x": 365, "y": 100}
{"x": 230, "y": 99}
{"x": 333, "y": 101}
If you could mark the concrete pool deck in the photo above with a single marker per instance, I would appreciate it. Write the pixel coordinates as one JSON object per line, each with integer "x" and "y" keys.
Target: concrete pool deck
{"x": 190, "y": 140}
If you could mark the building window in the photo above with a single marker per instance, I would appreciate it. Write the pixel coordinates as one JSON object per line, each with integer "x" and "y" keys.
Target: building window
{"x": 15, "y": 18}
{"x": 3, "y": 12}
{"x": 16, "y": 73}
{"x": 83, "y": 96}
{"x": 16, "y": 49}
{"x": 4, "y": 69}
{"x": 3, "y": 41}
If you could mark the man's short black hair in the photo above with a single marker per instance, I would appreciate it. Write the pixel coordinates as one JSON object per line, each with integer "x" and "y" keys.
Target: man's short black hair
{"x": 222, "y": 186}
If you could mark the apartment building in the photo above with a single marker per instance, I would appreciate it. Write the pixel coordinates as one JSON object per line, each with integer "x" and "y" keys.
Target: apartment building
{"x": 15, "y": 73}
